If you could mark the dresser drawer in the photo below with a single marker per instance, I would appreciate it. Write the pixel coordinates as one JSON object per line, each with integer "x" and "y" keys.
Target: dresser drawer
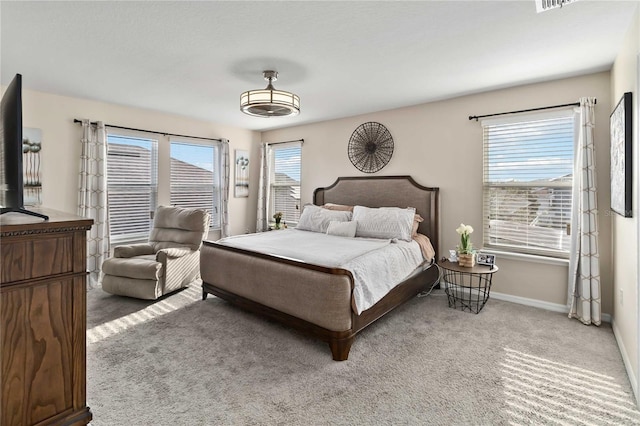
{"x": 32, "y": 258}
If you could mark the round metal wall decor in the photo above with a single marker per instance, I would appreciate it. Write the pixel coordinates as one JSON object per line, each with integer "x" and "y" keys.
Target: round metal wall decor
{"x": 370, "y": 147}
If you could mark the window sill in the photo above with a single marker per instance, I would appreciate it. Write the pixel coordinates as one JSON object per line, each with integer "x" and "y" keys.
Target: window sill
{"x": 533, "y": 258}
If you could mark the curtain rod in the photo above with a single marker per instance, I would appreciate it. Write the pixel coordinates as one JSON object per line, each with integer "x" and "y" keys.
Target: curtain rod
{"x": 278, "y": 143}
{"x": 476, "y": 117}
{"x": 75, "y": 120}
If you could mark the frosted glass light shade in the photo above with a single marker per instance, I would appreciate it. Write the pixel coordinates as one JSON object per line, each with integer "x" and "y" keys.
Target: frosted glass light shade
{"x": 269, "y": 102}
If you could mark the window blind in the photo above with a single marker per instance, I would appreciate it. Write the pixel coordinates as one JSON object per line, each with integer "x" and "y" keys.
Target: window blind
{"x": 131, "y": 187}
{"x": 285, "y": 182}
{"x": 527, "y": 184}
{"x": 195, "y": 177}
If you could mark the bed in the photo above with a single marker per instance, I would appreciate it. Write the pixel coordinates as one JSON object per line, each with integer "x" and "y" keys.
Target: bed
{"x": 319, "y": 300}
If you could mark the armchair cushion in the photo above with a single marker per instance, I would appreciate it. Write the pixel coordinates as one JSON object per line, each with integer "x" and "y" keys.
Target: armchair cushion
{"x": 133, "y": 250}
{"x": 175, "y": 226}
{"x": 139, "y": 267}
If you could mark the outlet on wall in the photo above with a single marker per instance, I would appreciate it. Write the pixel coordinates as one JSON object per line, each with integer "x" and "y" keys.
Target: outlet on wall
{"x": 620, "y": 296}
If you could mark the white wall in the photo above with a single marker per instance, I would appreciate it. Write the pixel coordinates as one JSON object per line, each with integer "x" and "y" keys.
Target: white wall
{"x": 61, "y": 145}
{"x": 438, "y": 145}
{"x": 624, "y": 78}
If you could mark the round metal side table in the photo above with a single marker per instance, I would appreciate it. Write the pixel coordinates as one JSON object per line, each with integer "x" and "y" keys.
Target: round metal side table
{"x": 467, "y": 289}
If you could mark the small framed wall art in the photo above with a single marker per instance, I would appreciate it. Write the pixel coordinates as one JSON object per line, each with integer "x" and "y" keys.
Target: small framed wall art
{"x": 621, "y": 179}
{"x": 241, "y": 186}
{"x": 32, "y": 166}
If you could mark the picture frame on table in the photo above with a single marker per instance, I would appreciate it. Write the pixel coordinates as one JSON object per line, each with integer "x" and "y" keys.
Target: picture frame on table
{"x": 621, "y": 158}
{"x": 485, "y": 259}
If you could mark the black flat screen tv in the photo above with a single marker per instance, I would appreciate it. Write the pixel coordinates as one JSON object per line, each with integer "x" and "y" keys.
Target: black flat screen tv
{"x": 11, "y": 181}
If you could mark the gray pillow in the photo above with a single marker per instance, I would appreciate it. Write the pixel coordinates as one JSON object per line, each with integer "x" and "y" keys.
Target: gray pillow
{"x": 316, "y": 219}
{"x": 384, "y": 222}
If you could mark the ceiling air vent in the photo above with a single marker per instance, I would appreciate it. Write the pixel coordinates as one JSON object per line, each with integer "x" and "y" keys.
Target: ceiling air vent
{"x": 544, "y": 5}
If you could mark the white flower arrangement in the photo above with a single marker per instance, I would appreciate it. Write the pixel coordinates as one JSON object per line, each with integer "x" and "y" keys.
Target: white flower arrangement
{"x": 465, "y": 247}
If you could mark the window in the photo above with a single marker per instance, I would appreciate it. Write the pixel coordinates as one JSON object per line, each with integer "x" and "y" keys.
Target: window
{"x": 132, "y": 186}
{"x": 527, "y": 183}
{"x": 195, "y": 177}
{"x": 285, "y": 182}
{"x": 190, "y": 177}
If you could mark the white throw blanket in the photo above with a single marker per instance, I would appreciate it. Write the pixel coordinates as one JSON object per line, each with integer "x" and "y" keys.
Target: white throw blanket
{"x": 377, "y": 265}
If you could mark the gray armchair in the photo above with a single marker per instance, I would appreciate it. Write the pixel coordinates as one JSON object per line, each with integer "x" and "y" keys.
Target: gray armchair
{"x": 168, "y": 262}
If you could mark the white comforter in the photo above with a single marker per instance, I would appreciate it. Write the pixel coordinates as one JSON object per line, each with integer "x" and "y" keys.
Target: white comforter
{"x": 377, "y": 265}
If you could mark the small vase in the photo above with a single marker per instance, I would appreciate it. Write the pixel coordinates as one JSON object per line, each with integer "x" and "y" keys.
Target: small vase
{"x": 277, "y": 224}
{"x": 467, "y": 260}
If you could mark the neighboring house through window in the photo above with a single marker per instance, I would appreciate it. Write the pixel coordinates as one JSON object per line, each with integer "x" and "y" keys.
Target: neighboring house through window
{"x": 528, "y": 182}
{"x": 285, "y": 182}
{"x": 132, "y": 187}
{"x": 195, "y": 177}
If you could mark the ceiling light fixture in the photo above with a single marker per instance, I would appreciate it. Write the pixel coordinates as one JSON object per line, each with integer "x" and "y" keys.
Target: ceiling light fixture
{"x": 269, "y": 102}
{"x": 544, "y": 5}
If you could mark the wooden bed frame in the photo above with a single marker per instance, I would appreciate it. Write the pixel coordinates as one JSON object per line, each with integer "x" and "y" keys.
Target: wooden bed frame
{"x": 383, "y": 191}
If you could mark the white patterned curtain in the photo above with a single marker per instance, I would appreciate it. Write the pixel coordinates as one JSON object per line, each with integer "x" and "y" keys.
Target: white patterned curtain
{"x": 584, "y": 265}
{"x": 262, "y": 222}
{"x": 224, "y": 219}
{"x": 92, "y": 196}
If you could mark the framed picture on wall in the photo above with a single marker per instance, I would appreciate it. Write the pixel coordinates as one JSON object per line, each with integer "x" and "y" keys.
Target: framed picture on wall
{"x": 32, "y": 166}
{"x": 241, "y": 187}
{"x": 621, "y": 180}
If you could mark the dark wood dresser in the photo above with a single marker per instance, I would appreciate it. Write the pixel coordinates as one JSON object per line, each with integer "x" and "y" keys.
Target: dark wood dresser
{"x": 44, "y": 319}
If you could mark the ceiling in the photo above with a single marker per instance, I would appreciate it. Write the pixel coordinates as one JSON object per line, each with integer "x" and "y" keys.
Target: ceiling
{"x": 342, "y": 58}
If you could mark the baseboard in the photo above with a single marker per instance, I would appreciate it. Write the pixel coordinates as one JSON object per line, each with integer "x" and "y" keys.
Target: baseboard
{"x": 555, "y": 307}
{"x": 625, "y": 360}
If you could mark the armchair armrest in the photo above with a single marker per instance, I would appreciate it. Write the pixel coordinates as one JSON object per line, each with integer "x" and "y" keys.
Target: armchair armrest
{"x": 133, "y": 250}
{"x": 173, "y": 252}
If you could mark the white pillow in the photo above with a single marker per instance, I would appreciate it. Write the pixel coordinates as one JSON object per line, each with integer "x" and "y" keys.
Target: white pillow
{"x": 342, "y": 229}
{"x": 384, "y": 222}
{"x": 316, "y": 219}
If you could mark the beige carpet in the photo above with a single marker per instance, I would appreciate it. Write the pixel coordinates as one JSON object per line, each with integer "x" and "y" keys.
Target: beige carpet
{"x": 184, "y": 361}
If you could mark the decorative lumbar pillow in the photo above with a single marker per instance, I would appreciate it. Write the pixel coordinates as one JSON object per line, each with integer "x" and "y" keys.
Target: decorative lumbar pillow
{"x": 342, "y": 229}
{"x": 316, "y": 219}
{"x": 384, "y": 222}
